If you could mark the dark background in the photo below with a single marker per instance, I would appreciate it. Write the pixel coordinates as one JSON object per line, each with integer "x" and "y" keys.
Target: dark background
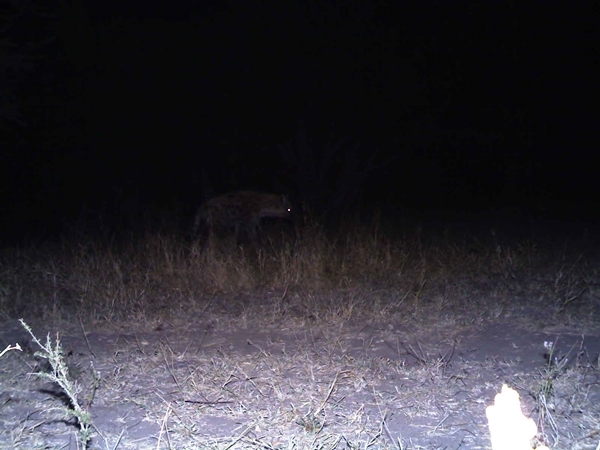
{"x": 126, "y": 112}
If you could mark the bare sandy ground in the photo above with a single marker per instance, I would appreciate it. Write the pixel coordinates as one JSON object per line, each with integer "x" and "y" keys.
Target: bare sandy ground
{"x": 219, "y": 381}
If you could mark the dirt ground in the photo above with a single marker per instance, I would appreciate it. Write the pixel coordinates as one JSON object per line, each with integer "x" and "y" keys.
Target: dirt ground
{"x": 218, "y": 381}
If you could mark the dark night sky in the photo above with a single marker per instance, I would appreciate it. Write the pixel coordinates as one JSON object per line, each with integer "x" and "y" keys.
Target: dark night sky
{"x": 435, "y": 105}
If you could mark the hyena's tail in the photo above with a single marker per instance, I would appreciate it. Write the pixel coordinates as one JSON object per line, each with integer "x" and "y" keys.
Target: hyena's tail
{"x": 199, "y": 223}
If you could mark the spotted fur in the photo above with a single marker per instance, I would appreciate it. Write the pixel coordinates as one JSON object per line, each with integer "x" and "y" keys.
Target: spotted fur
{"x": 239, "y": 213}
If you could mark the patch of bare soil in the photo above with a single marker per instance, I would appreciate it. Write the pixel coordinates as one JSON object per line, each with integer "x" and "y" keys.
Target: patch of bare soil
{"x": 219, "y": 383}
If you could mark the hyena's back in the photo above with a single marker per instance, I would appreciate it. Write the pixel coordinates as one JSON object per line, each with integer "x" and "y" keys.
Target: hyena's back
{"x": 240, "y": 213}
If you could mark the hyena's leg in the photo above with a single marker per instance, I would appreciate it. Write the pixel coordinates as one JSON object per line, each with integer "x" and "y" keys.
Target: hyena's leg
{"x": 202, "y": 226}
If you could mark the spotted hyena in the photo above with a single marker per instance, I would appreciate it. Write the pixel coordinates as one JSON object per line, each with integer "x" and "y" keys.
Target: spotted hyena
{"x": 239, "y": 213}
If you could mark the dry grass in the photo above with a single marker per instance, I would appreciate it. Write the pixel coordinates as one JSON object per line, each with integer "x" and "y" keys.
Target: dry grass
{"x": 328, "y": 388}
{"x": 158, "y": 275}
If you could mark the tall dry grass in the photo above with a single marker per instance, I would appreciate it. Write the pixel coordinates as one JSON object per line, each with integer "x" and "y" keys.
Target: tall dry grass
{"x": 367, "y": 269}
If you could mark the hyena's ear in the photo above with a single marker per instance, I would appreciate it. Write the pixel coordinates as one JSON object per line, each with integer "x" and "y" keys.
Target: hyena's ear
{"x": 285, "y": 202}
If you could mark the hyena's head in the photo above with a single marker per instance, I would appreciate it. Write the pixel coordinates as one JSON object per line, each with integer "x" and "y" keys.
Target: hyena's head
{"x": 275, "y": 206}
